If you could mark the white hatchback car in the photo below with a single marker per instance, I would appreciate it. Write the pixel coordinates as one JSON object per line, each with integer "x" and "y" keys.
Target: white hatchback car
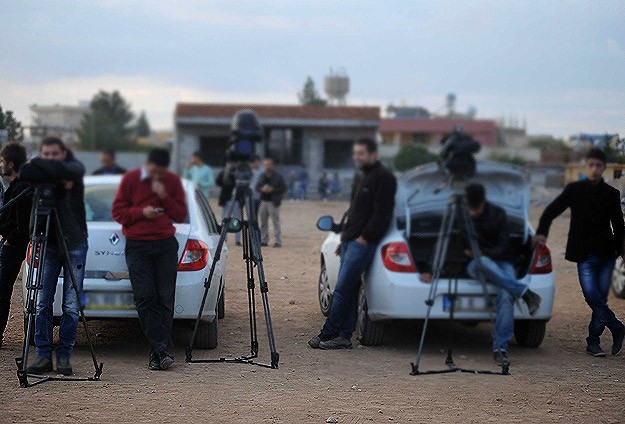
{"x": 107, "y": 289}
{"x": 391, "y": 288}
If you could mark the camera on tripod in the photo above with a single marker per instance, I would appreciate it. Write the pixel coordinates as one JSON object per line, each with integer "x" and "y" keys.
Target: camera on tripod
{"x": 456, "y": 157}
{"x": 245, "y": 133}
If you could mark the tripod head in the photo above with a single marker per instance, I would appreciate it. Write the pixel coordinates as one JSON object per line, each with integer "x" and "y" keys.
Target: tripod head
{"x": 45, "y": 195}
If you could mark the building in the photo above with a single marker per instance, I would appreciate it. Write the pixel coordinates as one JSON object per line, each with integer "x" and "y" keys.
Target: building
{"x": 320, "y": 137}
{"x": 62, "y": 121}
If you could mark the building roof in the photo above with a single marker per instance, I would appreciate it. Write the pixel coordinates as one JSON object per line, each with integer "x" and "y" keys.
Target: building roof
{"x": 436, "y": 125}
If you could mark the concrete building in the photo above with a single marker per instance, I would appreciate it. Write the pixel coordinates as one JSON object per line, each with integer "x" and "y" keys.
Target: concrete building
{"x": 58, "y": 120}
{"x": 320, "y": 137}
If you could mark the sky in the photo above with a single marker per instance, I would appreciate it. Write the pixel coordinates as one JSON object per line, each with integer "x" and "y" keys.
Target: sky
{"x": 560, "y": 65}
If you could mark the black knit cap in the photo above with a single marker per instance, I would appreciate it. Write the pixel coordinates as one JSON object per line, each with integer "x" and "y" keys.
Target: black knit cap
{"x": 159, "y": 157}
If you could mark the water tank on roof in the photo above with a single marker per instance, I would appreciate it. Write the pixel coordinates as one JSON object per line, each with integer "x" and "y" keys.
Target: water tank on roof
{"x": 336, "y": 86}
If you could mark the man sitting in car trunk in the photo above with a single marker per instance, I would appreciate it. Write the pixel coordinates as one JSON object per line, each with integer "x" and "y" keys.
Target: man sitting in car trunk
{"x": 491, "y": 229}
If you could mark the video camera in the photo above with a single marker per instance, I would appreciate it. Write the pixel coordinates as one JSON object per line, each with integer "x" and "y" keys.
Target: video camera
{"x": 457, "y": 154}
{"x": 245, "y": 132}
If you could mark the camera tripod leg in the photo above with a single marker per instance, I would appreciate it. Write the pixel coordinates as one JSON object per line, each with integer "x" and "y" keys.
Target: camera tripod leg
{"x": 251, "y": 296}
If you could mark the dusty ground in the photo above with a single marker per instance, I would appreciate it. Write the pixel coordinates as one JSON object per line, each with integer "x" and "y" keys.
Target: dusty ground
{"x": 555, "y": 383}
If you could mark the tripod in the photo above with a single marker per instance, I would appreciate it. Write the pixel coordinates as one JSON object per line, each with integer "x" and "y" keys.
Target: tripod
{"x": 457, "y": 207}
{"x": 44, "y": 215}
{"x": 252, "y": 256}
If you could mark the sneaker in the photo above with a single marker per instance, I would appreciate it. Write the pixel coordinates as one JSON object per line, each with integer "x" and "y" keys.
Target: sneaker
{"x": 617, "y": 345}
{"x": 166, "y": 360}
{"x": 277, "y": 245}
{"x": 63, "y": 366}
{"x": 533, "y": 301}
{"x": 40, "y": 366}
{"x": 315, "y": 341}
{"x": 264, "y": 244}
{"x": 501, "y": 358}
{"x": 155, "y": 362}
{"x": 595, "y": 350}
{"x": 336, "y": 343}
{"x": 238, "y": 243}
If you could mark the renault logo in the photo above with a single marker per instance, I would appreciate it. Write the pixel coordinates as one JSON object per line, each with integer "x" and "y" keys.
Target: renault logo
{"x": 114, "y": 239}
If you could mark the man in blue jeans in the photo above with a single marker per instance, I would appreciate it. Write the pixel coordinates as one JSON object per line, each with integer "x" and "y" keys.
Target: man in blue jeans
{"x": 368, "y": 218}
{"x": 70, "y": 209}
{"x": 595, "y": 240}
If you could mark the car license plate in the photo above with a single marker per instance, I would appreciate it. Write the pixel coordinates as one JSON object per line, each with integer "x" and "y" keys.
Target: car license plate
{"x": 105, "y": 301}
{"x": 470, "y": 303}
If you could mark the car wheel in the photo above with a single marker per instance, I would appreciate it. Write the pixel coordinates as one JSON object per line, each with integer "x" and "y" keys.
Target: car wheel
{"x": 207, "y": 335}
{"x": 530, "y": 333}
{"x": 221, "y": 305}
{"x": 371, "y": 332}
{"x": 325, "y": 294}
{"x": 618, "y": 279}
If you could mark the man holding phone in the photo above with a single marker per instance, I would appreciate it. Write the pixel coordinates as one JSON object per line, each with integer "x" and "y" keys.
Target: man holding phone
{"x": 149, "y": 200}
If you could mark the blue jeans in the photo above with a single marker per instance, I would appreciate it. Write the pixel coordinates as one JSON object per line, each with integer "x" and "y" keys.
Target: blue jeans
{"x": 302, "y": 190}
{"x": 595, "y": 277}
{"x": 69, "y": 320}
{"x": 355, "y": 259}
{"x": 502, "y": 275}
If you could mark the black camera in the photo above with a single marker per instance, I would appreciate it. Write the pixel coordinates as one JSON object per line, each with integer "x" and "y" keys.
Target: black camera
{"x": 457, "y": 154}
{"x": 245, "y": 133}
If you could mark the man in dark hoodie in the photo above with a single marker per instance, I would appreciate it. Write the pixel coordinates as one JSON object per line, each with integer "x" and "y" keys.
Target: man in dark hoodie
{"x": 57, "y": 159}
{"x": 368, "y": 219}
{"x": 14, "y": 221}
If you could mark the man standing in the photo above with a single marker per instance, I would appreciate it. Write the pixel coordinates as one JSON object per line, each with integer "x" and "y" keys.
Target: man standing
{"x": 227, "y": 182}
{"x": 200, "y": 173}
{"x": 257, "y": 171}
{"x": 149, "y": 200}
{"x": 369, "y": 216}
{"x": 302, "y": 183}
{"x": 14, "y": 223}
{"x": 595, "y": 240}
{"x": 109, "y": 166}
{"x": 271, "y": 187}
{"x": 70, "y": 210}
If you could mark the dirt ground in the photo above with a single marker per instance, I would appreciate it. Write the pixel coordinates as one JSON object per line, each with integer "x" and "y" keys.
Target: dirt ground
{"x": 557, "y": 382}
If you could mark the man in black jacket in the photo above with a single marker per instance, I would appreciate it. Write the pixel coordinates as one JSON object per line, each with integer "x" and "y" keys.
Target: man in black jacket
{"x": 55, "y": 159}
{"x": 368, "y": 219}
{"x": 271, "y": 187}
{"x": 14, "y": 223}
{"x": 595, "y": 240}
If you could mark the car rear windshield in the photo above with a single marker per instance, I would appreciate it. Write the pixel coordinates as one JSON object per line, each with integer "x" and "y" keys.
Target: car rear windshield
{"x": 99, "y": 201}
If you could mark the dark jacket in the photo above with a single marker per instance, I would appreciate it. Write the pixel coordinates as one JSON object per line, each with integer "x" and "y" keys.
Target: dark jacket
{"x": 596, "y": 220}
{"x": 226, "y": 181}
{"x": 276, "y": 181}
{"x": 492, "y": 233}
{"x": 372, "y": 205}
{"x": 15, "y": 220}
{"x": 115, "y": 170}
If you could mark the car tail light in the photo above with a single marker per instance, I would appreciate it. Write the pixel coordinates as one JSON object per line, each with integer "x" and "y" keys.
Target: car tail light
{"x": 194, "y": 257}
{"x": 29, "y": 255}
{"x": 541, "y": 263}
{"x": 396, "y": 257}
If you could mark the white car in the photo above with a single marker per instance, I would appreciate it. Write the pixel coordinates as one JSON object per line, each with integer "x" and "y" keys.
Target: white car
{"x": 107, "y": 289}
{"x": 392, "y": 289}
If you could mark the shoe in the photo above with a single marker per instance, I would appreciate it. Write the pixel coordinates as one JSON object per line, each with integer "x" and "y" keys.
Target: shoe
{"x": 617, "y": 345}
{"x": 155, "y": 362}
{"x": 336, "y": 343}
{"x": 595, "y": 350}
{"x": 501, "y": 358}
{"x": 40, "y": 366}
{"x": 533, "y": 301}
{"x": 63, "y": 366}
{"x": 277, "y": 245}
{"x": 238, "y": 243}
{"x": 166, "y": 360}
{"x": 315, "y": 341}
{"x": 264, "y": 244}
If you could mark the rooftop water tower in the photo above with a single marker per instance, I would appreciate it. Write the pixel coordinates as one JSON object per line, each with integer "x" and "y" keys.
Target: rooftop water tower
{"x": 336, "y": 86}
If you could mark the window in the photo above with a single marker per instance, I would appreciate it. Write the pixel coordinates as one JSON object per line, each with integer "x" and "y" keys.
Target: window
{"x": 207, "y": 213}
{"x": 337, "y": 154}
{"x": 284, "y": 146}
{"x": 213, "y": 150}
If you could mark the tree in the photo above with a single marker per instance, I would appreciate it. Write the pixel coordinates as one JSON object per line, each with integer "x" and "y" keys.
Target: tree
{"x": 107, "y": 124}
{"x": 309, "y": 94}
{"x": 143, "y": 127}
{"x": 411, "y": 155}
{"x": 15, "y": 132}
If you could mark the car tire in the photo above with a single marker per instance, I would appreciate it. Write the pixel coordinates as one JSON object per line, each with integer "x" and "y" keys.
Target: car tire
{"x": 371, "y": 332}
{"x": 323, "y": 290}
{"x": 221, "y": 305}
{"x": 618, "y": 279}
{"x": 207, "y": 335}
{"x": 530, "y": 333}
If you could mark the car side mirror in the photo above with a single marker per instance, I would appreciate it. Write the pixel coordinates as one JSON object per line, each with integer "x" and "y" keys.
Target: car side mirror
{"x": 326, "y": 223}
{"x": 234, "y": 225}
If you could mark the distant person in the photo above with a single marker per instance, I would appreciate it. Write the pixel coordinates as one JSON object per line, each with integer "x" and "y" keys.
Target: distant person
{"x": 595, "y": 240}
{"x": 257, "y": 171}
{"x": 369, "y": 216}
{"x": 149, "y": 200}
{"x": 200, "y": 173}
{"x": 271, "y": 187}
{"x": 335, "y": 185}
{"x": 324, "y": 187}
{"x": 302, "y": 183}
{"x": 109, "y": 165}
{"x": 227, "y": 183}
{"x": 291, "y": 185}
{"x": 14, "y": 227}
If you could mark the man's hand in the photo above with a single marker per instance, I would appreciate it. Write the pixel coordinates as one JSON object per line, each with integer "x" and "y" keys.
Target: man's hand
{"x": 361, "y": 240}
{"x": 425, "y": 277}
{"x": 539, "y": 239}
{"x": 468, "y": 253}
{"x": 150, "y": 212}
{"x": 159, "y": 188}
{"x": 266, "y": 189}
{"x": 68, "y": 184}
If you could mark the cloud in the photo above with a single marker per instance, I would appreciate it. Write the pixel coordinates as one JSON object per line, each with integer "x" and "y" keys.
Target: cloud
{"x": 615, "y": 48}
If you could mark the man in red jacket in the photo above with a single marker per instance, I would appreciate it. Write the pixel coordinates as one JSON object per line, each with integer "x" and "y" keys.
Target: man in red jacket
{"x": 149, "y": 200}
